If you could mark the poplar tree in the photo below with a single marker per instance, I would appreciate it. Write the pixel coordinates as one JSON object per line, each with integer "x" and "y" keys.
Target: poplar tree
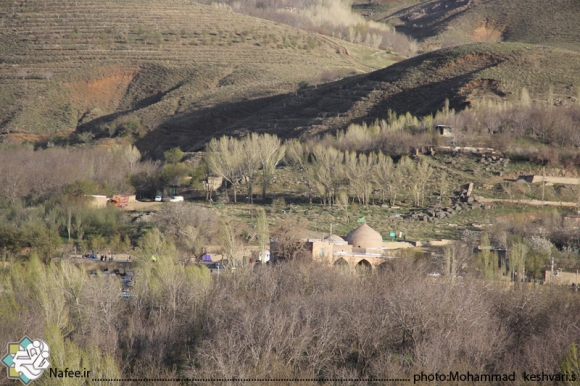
{"x": 298, "y": 156}
{"x": 387, "y": 177}
{"x": 250, "y": 160}
{"x": 328, "y": 171}
{"x": 518, "y": 260}
{"x": 224, "y": 160}
{"x": 271, "y": 152}
{"x": 263, "y": 233}
{"x": 132, "y": 155}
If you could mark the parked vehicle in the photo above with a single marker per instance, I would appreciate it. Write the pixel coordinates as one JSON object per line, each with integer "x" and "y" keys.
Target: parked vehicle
{"x": 158, "y": 198}
{"x": 215, "y": 266}
{"x": 120, "y": 200}
{"x": 176, "y": 199}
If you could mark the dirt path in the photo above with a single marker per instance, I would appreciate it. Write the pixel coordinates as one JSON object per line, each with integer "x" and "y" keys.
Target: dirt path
{"x": 528, "y": 202}
{"x": 144, "y": 205}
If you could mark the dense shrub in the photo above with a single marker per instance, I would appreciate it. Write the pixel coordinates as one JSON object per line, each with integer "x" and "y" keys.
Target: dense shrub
{"x": 291, "y": 320}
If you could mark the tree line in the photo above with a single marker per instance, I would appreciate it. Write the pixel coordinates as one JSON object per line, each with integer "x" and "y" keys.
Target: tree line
{"x": 333, "y": 175}
{"x": 523, "y": 129}
{"x": 334, "y": 19}
{"x": 292, "y": 320}
{"x": 238, "y": 160}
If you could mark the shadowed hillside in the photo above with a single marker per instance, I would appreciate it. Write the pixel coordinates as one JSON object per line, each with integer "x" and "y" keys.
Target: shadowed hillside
{"x": 96, "y": 65}
{"x": 553, "y": 23}
{"x": 420, "y": 85}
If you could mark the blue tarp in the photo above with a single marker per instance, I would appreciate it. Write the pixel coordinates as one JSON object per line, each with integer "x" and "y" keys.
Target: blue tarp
{"x": 206, "y": 257}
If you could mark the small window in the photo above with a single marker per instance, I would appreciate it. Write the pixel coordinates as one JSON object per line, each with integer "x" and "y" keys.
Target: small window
{"x": 321, "y": 252}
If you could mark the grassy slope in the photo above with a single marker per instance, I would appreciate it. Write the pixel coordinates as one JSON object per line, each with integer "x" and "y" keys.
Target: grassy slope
{"x": 174, "y": 64}
{"x": 420, "y": 85}
{"x": 551, "y": 23}
{"x": 487, "y": 183}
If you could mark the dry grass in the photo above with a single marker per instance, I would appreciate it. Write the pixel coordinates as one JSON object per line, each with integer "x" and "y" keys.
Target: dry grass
{"x": 68, "y": 64}
{"x": 453, "y": 22}
{"x": 331, "y": 18}
{"x": 465, "y": 75}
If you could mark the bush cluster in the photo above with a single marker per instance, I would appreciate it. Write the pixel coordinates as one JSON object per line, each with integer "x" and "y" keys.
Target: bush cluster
{"x": 291, "y": 320}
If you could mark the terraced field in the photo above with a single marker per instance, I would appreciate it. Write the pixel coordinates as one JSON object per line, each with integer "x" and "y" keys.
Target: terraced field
{"x": 450, "y": 22}
{"x": 463, "y": 75}
{"x": 67, "y": 65}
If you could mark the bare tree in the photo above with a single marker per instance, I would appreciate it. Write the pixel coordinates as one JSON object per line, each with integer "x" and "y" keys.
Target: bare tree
{"x": 250, "y": 160}
{"x": 424, "y": 172}
{"x": 224, "y": 158}
{"x": 287, "y": 243}
{"x": 456, "y": 256}
{"x": 387, "y": 177}
{"x": 518, "y": 261}
{"x": 328, "y": 171}
{"x": 358, "y": 169}
{"x": 232, "y": 245}
{"x": 416, "y": 176}
{"x": 409, "y": 181}
{"x": 271, "y": 153}
{"x": 298, "y": 155}
{"x": 263, "y": 233}
{"x": 190, "y": 226}
{"x": 132, "y": 155}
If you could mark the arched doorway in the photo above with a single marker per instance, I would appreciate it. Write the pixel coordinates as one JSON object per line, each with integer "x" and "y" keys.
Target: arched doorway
{"x": 385, "y": 267}
{"x": 342, "y": 265}
{"x": 363, "y": 267}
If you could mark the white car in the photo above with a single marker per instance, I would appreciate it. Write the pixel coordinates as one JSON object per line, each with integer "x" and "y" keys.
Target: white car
{"x": 158, "y": 198}
{"x": 176, "y": 199}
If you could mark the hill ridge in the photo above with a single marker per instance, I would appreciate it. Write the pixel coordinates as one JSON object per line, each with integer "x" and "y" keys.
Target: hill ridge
{"x": 420, "y": 85}
{"x": 66, "y": 64}
{"x": 451, "y": 22}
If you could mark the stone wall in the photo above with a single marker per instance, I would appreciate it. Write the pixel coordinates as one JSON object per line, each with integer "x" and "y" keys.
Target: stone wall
{"x": 561, "y": 278}
{"x": 536, "y": 179}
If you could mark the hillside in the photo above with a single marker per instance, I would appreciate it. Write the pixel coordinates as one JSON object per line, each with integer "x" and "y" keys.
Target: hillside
{"x": 448, "y": 22}
{"x": 93, "y": 66}
{"x": 420, "y": 85}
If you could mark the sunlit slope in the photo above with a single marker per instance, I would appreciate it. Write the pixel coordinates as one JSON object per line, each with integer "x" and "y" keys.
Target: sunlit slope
{"x": 88, "y": 65}
{"x": 545, "y": 22}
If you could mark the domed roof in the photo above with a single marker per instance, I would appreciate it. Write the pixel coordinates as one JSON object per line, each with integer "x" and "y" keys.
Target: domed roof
{"x": 333, "y": 238}
{"x": 365, "y": 237}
